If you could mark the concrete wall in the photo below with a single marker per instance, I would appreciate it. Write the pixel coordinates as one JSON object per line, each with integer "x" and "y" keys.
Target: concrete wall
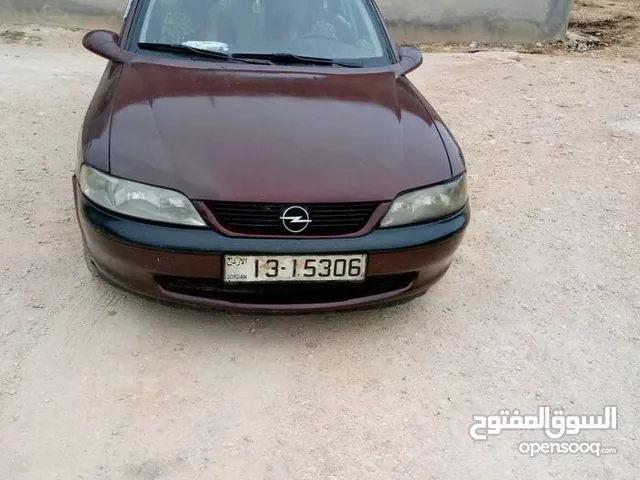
{"x": 465, "y": 20}
{"x": 409, "y": 20}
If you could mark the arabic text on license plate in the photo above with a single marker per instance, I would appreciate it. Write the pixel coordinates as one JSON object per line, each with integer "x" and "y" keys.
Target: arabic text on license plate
{"x": 302, "y": 268}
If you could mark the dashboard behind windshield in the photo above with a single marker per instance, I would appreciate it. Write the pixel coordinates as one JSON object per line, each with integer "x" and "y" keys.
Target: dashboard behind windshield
{"x": 343, "y": 30}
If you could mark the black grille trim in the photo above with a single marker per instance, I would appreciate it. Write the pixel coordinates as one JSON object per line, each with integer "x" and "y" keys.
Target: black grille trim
{"x": 327, "y": 219}
{"x": 285, "y": 293}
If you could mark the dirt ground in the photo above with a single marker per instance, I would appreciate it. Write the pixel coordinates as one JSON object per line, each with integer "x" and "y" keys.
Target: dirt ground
{"x": 542, "y": 306}
{"x": 615, "y": 22}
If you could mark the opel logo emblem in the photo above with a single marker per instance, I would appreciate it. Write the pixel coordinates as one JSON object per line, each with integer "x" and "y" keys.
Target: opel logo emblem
{"x": 295, "y": 219}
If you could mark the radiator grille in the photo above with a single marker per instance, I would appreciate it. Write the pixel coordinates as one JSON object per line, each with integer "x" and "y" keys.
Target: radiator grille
{"x": 329, "y": 219}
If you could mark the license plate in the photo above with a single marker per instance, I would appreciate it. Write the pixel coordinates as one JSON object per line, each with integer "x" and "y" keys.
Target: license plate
{"x": 302, "y": 268}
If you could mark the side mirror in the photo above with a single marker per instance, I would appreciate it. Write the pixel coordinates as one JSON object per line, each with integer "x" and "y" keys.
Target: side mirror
{"x": 410, "y": 59}
{"x": 105, "y": 44}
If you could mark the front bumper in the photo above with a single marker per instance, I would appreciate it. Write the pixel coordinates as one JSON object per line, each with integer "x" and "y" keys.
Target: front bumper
{"x": 184, "y": 265}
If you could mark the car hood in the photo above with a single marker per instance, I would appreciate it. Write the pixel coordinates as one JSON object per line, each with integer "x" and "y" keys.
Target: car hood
{"x": 273, "y": 136}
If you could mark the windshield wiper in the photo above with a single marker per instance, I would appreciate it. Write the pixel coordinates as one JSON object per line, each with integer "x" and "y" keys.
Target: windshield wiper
{"x": 290, "y": 58}
{"x": 177, "y": 48}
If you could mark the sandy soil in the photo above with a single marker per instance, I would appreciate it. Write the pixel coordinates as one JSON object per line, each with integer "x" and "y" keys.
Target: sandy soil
{"x": 540, "y": 308}
{"x": 615, "y": 22}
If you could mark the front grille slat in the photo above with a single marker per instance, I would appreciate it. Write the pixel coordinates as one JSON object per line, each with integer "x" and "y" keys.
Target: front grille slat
{"x": 327, "y": 219}
{"x": 252, "y": 225}
{"x": 339, "y": 224}
{"x": 285, "y": 293}
{"x": 342, "y": 211}
{"x": 240, "y": 213}
{"x": 329, "y": 216}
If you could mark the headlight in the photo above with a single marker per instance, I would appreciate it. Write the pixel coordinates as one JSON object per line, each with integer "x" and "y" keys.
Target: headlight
{"x": 427, "y": 204}
{"x": 138, "y": 200}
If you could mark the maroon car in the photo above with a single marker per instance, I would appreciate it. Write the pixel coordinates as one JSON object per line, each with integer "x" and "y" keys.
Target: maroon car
{"x": 265, "y": 155}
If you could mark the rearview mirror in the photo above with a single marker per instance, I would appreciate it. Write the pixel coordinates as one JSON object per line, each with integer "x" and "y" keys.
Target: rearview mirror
{"x": 410, "y": 59}
{"x": 105, "y": 44}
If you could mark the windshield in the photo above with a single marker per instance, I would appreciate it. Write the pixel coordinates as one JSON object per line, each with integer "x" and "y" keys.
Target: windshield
{"x": 342, "y": 30}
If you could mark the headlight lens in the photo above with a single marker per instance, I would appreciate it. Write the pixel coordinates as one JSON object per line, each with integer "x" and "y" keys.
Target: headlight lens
{"x": 138, "y": 200}
{"x": 427, "y": 204}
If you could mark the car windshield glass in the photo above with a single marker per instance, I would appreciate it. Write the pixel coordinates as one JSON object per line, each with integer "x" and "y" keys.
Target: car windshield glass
{"x": 349, "y": 32}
